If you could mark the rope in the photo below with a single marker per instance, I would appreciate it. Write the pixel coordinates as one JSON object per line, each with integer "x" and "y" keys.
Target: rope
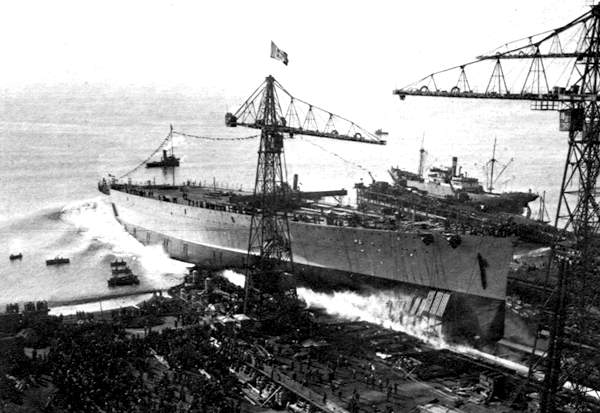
{"x": 356, "y": 165}
{"x": 548, "y": 35}
{"x": 209, "y": 138}
{"x": 187, "y": 135}
{"x": 148, "y": 158}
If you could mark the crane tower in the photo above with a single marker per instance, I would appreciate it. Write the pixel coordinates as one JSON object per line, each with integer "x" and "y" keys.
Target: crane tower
{"x": 568, "y": 58}
{"x": 270, "y": 244}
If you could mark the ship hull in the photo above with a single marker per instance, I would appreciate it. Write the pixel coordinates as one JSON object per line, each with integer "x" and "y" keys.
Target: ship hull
{"x": 471, "y": 277}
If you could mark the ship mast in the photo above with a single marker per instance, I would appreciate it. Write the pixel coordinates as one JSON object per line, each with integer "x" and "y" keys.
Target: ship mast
{"x": 171, "y": 137}
{"x": 172, "y": 154}
{"x": 493, "y": 162}
{"x": 421, "y": 158}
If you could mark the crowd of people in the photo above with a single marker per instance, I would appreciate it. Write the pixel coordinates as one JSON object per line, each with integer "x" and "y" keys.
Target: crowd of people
{"x": 99, "y": 367}
{"x": 102, "y": 365}
{"x": 192, "y": 366}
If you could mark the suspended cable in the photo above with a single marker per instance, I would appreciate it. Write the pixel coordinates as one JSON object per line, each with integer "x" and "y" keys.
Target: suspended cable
{"x": 209, "y": 138}
{"x": 187, "y": 135}
{"x": 505, "y": 45}
{"x": 311, "y": 107}
{"x": 148, "y": 158}
{"x": 356, "y": 165}
{"x": 547, "y": 35}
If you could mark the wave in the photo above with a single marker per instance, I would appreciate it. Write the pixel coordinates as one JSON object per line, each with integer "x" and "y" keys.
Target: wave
{"x": 95, "y": 222}
{"x": 47, "y": 214}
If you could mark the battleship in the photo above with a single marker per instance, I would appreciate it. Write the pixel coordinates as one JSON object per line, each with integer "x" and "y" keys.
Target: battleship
{"x": 457, "y": 281}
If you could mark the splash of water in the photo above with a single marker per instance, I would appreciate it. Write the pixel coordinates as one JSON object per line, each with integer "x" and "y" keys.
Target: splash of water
{"x": 95, "y": 221}
{"x": 384, "y": 308}
{"x": 380, "y": 307}
{"x": 234, "y": 277}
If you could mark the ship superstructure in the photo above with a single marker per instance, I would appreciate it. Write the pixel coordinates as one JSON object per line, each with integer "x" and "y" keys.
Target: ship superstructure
{"x": 453, "y": 183}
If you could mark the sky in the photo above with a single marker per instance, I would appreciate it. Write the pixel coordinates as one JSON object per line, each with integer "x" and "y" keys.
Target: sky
{"x": 347, "y": 49}
{"x": 345, "y": 56}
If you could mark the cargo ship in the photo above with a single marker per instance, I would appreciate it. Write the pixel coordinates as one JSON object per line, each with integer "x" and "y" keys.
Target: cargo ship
{"x": 456, "y": 281}
{"x": 454, "y": 184}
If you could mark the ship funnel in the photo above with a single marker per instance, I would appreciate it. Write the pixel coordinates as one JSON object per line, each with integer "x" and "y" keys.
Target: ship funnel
{"x": 164, "y": 154}
{"x": 454, "y": 165}
{"x": 421, "y": 162}
{"x": 295, "y": 185}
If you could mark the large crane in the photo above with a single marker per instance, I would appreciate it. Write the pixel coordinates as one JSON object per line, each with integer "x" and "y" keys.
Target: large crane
{"x": 568, "y": 58}
{"x": 270, "y": 244}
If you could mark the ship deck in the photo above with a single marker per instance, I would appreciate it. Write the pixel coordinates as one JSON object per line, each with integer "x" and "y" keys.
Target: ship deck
{"x": 317, "y": 212}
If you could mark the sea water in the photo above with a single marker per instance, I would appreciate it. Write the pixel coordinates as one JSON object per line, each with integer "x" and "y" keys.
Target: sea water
{"x": 57, "y": 142}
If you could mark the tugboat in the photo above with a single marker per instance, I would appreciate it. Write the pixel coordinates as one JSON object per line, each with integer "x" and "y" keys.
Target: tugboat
{"x": 167, "y": 161}
{"x": 121, "y": 275}
{"x": 18, "y": 256}
{"x": 57, "y": 261}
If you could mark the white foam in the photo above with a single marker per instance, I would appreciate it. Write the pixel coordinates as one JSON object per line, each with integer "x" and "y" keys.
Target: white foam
{"x": 382, "y": 308}
{"x": 234, "y": 277}
{"x": 95, "y": 219}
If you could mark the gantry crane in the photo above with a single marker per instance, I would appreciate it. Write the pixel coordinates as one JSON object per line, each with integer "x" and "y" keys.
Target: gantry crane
{"x": 568, "y": 58}
{"x": 270, "y": 244}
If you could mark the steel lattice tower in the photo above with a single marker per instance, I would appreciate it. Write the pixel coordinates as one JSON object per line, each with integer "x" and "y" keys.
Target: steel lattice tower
{"x": 269, "y": 242}
{"x": 578, "y": 211}
{"x": 569, "y": 373}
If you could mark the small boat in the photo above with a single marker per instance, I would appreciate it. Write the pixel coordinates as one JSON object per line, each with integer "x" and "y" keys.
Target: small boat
{"x": 57, "y": 261}
{"x": 18, "y": 256}
{"x": 121, "y": 274}
{"x": 381, "y": 132}
{"x": 123, "y": 279}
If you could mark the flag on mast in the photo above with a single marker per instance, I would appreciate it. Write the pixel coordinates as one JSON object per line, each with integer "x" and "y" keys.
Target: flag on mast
{"x": 277, "y": 53}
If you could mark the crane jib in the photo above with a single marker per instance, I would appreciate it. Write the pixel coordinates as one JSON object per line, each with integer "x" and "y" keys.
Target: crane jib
{"x": 299, "y": 131}
{"x": 294, "y": 116}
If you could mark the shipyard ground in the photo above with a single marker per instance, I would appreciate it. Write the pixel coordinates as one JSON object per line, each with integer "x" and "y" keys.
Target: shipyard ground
{"x": 297, "y": 361}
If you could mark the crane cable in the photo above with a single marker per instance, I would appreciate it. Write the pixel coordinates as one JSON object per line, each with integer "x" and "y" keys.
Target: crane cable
{"x": 148, "y": 158}
{"x": 187, "y": 135}
{"x": 354, "y": 164}
{"x": 209, "y": 138}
